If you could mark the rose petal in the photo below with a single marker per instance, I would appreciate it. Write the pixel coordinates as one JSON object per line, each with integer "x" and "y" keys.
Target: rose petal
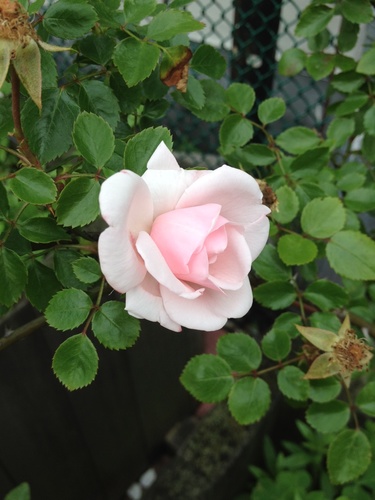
{"x": 158, "y": 268}
{"x": 237, "y": 192}
{"x": 144, "y": 302}
{"x": 181, "y": 233}
{"x": 167, "y": 186}
{"x": 162, "y": 159}
{"x": 211, "y": 310}
{"x": 233, "y": 265}
{"x": 256, "y": 235}
{"x": 126, "y": 205}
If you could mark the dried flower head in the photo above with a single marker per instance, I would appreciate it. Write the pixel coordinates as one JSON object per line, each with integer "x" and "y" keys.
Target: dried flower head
{"x": 344, "y": 352}
{"x": 19, "y": 46}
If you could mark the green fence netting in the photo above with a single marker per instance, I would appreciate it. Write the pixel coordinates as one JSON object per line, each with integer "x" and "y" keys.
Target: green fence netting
{"x": 251, "y": 35}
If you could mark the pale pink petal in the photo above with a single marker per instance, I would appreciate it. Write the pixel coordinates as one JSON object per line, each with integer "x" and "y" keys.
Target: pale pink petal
{"x": 126, "y": 206}
{"x": 233, "y": 265}
{"x": 236, "y": 191}
{"x": 256, "y": 235}
{"x": 162, "y": 159}
{"x": 144, "y": 302}
{"x": 167, "y": 186}
{"x": 181, "y": 233}
{"x": 211, "y": 310}
{"x": 158, "y": 268}
{"x": 125, "y": 198}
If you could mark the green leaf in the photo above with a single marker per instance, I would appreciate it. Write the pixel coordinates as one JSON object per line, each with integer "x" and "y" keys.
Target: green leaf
{"x": 319, "y": 65}
{"x": 93, "y": 138}
{"x": 361, "y": 200}
{"x": 325, "y": 321}
{"x": 297, "y": 140}
{"x": 249, "y": 400}
{"x": 275, "y": 294}
{"x": 135, "y": 60}
{"x": 96, "y": 97}
{"x": 347, "y": 82}
{"x": 328, "y": 417}
{"x": 348, "y": 36}
{"x": 292, "y": 384}
{"x": 256, "y": 154}
{"x": 87, "y": 270}
{"x": 6, "y": 123}
{"x": 351, "y": 104}
{"x": 287, "y": 322}
{"x": 49, "y": 132}
{"x": 75, "y": 362}
{"x": 269, "y": 266}
{"x": 352, "y": 255}
{"x": 288, "y": 205}
{"x": 42, "y": 285}
{"x": 339, "y": 130}
{"x": 323, "y": 217}
{"x": 292, "y": 62}
{"x": 78, "y": 204}
{"x": 240, "y": 97}
{"x": 13, "y": 276}
{"x": 33, "y": 186}
{"x": 320, "y": 41}
{"x": 170, "y": 23}
{"x": 240, "y": 351}
{"x": 359, "y": 11}
{"x": 97, "y": 48}
{"x": 68, "y": 309}
{"x": 20, "y": 492}
{"x": 235, "y": 131}
{"x": 140, "y": 148}
{"x": 69, "y": 20}
{"x": 365, "y": 400}
{"x": 63, "y": 262}
{"x": 137, "y": 10}
{"x": 208, "y": 61}
{"x": 369, "y": 120}
{"x": 324, "y": 390}
{"x": 215, "y": 108}
{"x": 113, "y": 326}
{"x": 326, "y": 295}
{"x": 109, "y": 15}
{"x": 313, "y": 20}
{"x": 208, "y": 378}
{"x": 271, "y": 110}
{"x": 42, "y": 230}
{"x": 276, "y": 345}
{"x": 366, "y": 64}
{"x": 310, "y": 162}
{"x": 193, "y": 97}
{"x": 349, "y": 455}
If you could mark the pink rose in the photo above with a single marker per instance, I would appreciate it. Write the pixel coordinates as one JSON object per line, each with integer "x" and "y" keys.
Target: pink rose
{"x": 180, "y": 243}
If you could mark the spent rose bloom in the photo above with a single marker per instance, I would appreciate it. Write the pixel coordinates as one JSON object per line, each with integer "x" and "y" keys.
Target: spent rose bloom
{"x": 180, "y": 243}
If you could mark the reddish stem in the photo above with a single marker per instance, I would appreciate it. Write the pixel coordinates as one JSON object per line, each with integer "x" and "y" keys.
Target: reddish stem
{"x": 18, "y": 132}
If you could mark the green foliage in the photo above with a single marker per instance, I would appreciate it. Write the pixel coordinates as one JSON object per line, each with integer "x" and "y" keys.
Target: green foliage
{"x": 249, "y": 400}
{"x": 78, "y": 203}
{"x": 240, "y": 351}
{"x": 20, "y": 492}
{"x": 75, "y": 362}
{"x": 292, "y": 384}
{"x": 113, "y": 326}
{"x": 68, "y": 309}
{"x": 208, "y": 61}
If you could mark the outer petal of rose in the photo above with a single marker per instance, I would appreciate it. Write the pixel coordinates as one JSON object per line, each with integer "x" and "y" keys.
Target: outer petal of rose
{"x": 256, "y": 235}
{"x": 144, "y": 302}
{"x": 233, "y": 265}
{"x": 126, "y": 205}
{"x": 167, "y": 186}
{"x": 158, "y": 268}
{"x": 210, "y": 311}
{"x": 237, "y": 192}
{"x": 162, "y": 159}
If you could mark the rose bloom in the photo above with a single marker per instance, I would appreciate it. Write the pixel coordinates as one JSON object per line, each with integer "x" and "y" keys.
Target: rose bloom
{"x": 180, "y": 243}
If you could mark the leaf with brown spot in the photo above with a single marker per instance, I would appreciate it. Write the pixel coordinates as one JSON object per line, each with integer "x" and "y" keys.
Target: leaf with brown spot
{"x": 174, "y": 67}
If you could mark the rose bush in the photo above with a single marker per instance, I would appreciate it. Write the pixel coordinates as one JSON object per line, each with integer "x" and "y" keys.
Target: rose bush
{"x": 180, "y": 243}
